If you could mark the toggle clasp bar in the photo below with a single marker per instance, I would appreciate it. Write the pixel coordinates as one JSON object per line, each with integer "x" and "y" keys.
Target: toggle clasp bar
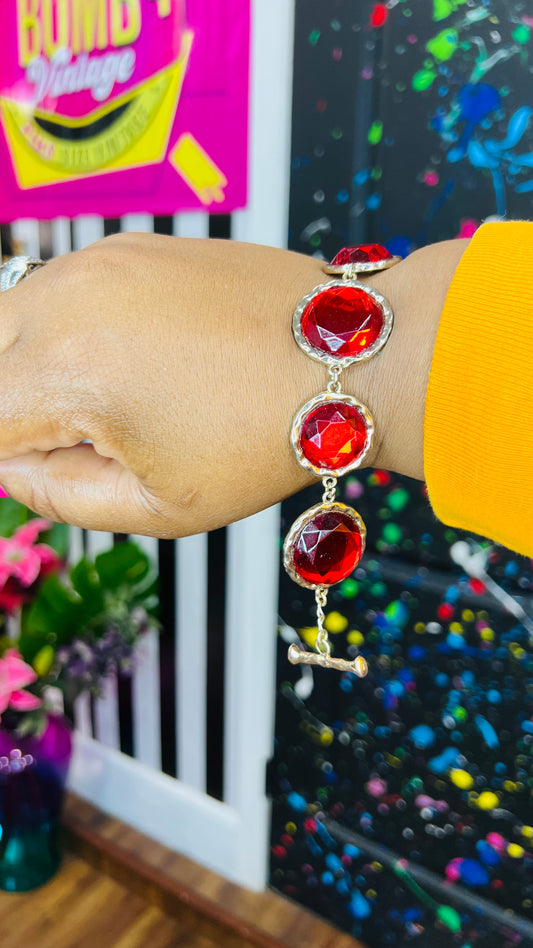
{"x": 297, "y": 656}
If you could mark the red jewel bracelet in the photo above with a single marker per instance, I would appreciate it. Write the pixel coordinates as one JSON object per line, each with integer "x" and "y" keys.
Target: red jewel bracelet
{"x": 338, "y": 323}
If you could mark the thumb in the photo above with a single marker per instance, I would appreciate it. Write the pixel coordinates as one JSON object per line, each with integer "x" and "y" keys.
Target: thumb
{"x": 80, "y": 487}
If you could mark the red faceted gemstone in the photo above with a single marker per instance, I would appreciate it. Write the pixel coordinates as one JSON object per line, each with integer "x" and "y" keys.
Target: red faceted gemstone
{"x": 364, "y": 253}
{"x": 342, "y": 321}
{"x": 327, "y": 548}
{"x": 333, "y": 435}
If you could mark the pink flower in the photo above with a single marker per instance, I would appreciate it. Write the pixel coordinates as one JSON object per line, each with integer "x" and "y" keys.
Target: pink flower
{"x": 14, "y": 676}
{"x": 22, "y": 560}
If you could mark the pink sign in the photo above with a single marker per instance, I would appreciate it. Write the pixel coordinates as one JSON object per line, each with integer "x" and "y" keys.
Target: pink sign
{"x": 113, "y": 107}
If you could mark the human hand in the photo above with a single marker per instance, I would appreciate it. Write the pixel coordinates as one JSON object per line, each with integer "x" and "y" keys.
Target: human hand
{"x": 175, "y": 359}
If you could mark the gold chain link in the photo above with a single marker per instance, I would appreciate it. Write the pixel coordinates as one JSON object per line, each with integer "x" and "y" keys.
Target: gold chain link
{"x": 322, "y": 642}
{"x": 334, "y": 384}
{"x": 330, "y": 488}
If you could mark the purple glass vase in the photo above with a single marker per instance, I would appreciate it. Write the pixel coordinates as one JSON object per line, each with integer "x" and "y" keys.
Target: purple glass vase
{"x": 33, "y": 774}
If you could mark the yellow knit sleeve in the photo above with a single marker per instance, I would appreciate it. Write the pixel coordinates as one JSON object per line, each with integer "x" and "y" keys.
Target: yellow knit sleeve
{"x": 478, "y": 429}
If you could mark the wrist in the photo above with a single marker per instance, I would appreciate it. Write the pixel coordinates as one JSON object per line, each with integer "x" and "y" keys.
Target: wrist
{"x": 394, "y": 383}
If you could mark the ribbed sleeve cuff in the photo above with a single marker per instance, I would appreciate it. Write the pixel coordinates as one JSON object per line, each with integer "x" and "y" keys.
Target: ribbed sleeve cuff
{"x": 478, "y": 430}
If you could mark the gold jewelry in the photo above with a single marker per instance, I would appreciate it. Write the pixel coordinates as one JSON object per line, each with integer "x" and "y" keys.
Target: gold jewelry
{"x": 338, "y": 323}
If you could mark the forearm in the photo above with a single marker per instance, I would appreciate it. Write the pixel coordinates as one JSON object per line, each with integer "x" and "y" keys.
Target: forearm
{"x": 282, "y": 378}
{"x": 176, "y": 359}
{"x": 393, "y": 384}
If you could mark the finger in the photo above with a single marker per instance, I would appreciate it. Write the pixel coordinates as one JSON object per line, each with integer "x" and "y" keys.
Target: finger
{"x": 81, "y": 487}
{"x": 47, "y": 394}
{"x": 38, "y": 404}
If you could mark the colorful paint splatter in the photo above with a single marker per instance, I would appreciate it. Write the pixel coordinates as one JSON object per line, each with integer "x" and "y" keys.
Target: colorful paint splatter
{"x": 430, "y": 756}
{"x": 413, "y": 122}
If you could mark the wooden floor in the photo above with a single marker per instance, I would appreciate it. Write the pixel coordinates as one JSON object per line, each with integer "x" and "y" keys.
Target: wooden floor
{"x": 208, "y": 904}
{"x": 82, "y": 908}
{"x": 119, "y": 889}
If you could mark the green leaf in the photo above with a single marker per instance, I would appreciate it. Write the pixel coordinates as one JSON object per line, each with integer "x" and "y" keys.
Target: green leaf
{"x": 125, "y": 564}
{"x": 55, "y": 617}
{"x": 86, "y": 582}
{"x": 147, "y": 594}
{"x": 12, "y": 515}
{"x": 83, "y": 605}
{"x": 32, "y": 641}
{"x": 58, "y": 538}
{"x": 147, "y": 586}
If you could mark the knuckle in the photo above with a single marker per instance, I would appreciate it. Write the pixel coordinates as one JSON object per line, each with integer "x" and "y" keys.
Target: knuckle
{"x": 169, "y": 518}
{"x": 108, "y": 268}
{"x": 106, "y": 243}
{"x": 40, "y": 499}
{"x": 109, "y": 250}
{"x": 96, "y": 261}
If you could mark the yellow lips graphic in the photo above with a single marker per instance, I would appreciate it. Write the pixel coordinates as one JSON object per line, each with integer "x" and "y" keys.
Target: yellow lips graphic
{"x": 48, "y": 147}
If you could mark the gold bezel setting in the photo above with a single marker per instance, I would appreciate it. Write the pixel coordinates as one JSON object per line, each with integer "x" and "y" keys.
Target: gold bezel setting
{"x": 301, "y": 522}
{"x": 326, "y": 357}
{"x": 351, "y": 269}
{"x": 300, "y": 418}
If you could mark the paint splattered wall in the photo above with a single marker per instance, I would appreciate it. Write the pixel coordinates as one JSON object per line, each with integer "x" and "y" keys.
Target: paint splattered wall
{"x": 411, "y": 130}
{"x": 413, "y": 121}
